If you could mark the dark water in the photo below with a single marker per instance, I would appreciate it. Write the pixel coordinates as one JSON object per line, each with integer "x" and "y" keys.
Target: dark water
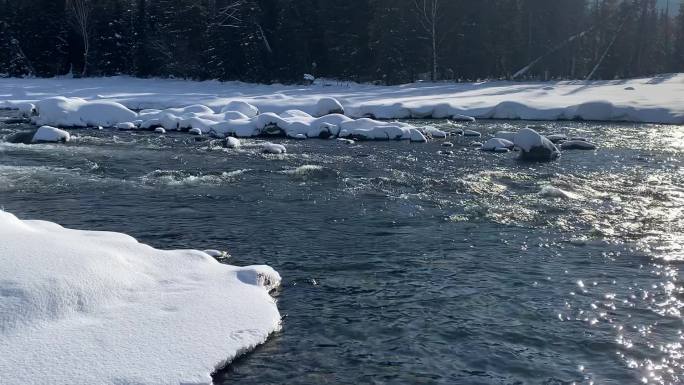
{"x": 402, "y": 265}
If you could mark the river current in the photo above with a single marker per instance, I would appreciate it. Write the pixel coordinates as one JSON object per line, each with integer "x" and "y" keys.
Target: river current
{"x": 406, "y": 263}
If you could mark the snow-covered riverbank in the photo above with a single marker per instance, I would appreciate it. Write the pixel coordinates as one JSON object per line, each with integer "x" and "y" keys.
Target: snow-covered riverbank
{"x": 84, "y": 307}
{"x": 655, "y": 100}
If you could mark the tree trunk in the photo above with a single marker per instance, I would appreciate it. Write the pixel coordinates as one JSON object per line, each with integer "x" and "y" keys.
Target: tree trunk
{"x": 434, "y": 52}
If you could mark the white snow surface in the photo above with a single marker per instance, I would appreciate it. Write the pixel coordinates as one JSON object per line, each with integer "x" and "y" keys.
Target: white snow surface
{"x": 85, "y": 307}
{"x": 657, "y": 99}
{"x": 50, "y": 134}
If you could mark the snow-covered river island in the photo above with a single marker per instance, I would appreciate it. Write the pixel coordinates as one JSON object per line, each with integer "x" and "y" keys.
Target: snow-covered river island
{"x": 417, "y": 262}
{"x": 653, "y": 100}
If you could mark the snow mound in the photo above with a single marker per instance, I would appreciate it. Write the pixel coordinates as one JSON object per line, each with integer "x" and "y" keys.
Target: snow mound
{"x": 75, "y": 112}
{"x": 244, "y": 108}
{"x": 85, "y": 307}
{"x": 327, "y": 106}
{"x": 50, "y": 134}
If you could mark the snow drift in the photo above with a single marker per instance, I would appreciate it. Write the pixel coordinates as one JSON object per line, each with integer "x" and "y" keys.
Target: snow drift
{"x": 85, "y": 307}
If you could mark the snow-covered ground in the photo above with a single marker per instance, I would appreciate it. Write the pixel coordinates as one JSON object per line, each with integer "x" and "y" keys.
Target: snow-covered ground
{"x": 656, "y": 100}
{"x": 84, "y": 308}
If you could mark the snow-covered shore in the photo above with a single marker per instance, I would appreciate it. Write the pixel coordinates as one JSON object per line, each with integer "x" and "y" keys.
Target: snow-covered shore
{"x": 84, "y": 307}
{"x": 654, "y": 100}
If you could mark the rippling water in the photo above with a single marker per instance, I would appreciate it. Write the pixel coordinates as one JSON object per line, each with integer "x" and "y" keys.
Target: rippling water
{"x": 401, "y": 264}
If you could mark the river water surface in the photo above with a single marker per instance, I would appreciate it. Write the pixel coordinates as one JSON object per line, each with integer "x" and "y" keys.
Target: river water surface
{"x": 402, "y": 264}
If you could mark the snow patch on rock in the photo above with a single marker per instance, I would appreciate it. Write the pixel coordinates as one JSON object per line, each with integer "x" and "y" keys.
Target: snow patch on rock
{"x": 50, "y": 134}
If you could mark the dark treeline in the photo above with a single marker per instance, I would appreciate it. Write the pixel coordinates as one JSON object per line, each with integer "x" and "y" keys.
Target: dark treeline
{"x": 389, "y": 41}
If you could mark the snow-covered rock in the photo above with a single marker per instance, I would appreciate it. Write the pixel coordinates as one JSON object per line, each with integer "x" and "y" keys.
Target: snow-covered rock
{"x": 195, "y": 131}
{"x": 244, "y": 108}
{"x": 124, "y": 126}
{"x": 75, "y": 112}
{"x": 50, "y": 134}
{"x": 327, "y": 106}
{"x": 535, "y": 147}
{"x": 416, "y": 136}
{"x": 578, "y": 145}
{"x": 232, "y": 142}
{"x": 160, "y": 130}
{"x": 434, "y": 132}
{"x": 26, "y": 109}
{"x": 272, "y": 148}
{"x": 370, "y": 129}
{"x": 84, "y": 307}
{"x": 471, "y": 134}
{"x": 495, "y": 144}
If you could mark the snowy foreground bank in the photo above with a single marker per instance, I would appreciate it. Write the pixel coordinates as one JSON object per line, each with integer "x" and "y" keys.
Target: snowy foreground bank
{"x": 84, "y": 307}
{"x": 655, "y": 100}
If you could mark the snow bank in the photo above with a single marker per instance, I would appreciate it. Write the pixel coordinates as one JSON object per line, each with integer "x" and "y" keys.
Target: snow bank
{"x": 655, "y": 100}
{"x": 84, "y": 307}
{"x": 50, "y": 134}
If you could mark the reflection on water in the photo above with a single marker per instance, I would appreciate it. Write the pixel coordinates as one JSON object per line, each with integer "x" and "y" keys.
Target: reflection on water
{"x": 402, "y": 264}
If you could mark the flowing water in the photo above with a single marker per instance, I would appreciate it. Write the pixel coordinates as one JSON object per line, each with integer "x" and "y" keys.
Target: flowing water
{"x": 402, "y": 264}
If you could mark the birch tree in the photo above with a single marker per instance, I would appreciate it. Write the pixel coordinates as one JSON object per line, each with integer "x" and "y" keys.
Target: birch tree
{"x": 80, "y": 14}
{"x": 428, "y": 13}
